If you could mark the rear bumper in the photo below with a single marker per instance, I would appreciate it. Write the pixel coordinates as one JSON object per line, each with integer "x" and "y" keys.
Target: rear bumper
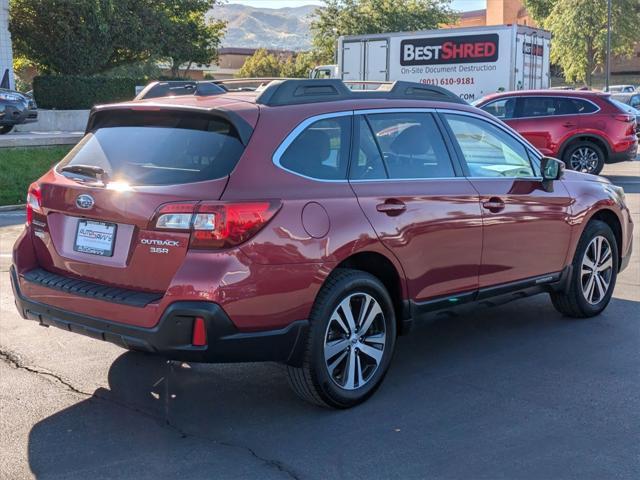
{"x": 16, "y": 115}
{"x": 626, "y": 155}
{"x": 171, "y": 337}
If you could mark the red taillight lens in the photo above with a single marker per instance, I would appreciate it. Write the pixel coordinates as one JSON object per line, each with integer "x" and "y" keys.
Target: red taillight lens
{"x": 216, "y": 224}
{"x": 624, "y": 118}
{"x": 34, "y": 201}
{"x": 225, "y": 225}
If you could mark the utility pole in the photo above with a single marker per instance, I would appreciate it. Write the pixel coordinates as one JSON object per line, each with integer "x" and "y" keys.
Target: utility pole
{"x": 608, "y": 72}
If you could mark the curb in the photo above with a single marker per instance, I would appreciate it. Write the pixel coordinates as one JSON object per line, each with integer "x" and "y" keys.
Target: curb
{"x": 9, "y": 208}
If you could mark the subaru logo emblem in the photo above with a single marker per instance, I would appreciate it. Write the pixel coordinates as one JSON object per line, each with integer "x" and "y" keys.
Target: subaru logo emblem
{"x": 84, "y": 201}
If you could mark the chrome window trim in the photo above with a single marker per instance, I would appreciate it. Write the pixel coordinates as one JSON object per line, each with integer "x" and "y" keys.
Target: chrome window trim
{"x": 277, "y": 155}
{"x": 310, "y": 120}
{"x": 542, "y": 96}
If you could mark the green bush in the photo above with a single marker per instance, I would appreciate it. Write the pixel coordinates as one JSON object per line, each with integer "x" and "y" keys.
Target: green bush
{"x": 74, "y": 92}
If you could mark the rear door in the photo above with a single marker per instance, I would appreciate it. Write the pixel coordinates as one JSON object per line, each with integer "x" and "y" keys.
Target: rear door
{"x": 420, "y": 207}
{"x": 99, "y": 227}
{"x": 526, "y": 227}
{"x": 544, "y": 121}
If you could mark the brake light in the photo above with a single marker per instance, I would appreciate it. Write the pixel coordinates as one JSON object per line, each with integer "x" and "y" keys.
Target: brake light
{"x": 34, "y": 201}
{"x": 216, "y": 225}
{"x": 624, "y": 118}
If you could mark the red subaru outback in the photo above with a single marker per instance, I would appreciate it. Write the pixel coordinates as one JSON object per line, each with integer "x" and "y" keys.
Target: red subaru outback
{"x": 583, "y": 128}
{"x": 306, "y": 224}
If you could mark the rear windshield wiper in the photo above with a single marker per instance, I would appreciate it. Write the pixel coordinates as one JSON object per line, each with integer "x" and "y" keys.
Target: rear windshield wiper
{"x": 87, "y": 171}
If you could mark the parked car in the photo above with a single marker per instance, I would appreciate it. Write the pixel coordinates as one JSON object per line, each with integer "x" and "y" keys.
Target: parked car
{"x": 622, "y": 89}
{"x": 174, "y": 88}
{"x": 583, "y": 128}
{"x": 632, "y": 99}
{"x": 16, "y": 108}
{"x": 631, "y": 110}
{"x": 306, "y": 224}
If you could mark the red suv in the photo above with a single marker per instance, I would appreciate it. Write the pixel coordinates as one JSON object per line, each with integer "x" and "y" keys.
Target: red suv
{"x": 583, "y": 128}
{"x": 306, "y": 224}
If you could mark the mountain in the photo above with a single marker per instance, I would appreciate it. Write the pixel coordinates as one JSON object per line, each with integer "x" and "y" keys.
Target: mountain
{"x": 250, "y": 27}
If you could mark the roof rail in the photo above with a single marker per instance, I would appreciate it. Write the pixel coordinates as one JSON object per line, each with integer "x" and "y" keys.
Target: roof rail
{"x": 299, "y": 91}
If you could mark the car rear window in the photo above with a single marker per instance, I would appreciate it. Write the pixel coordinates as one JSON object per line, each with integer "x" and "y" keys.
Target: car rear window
{"x": 159, "y": 148}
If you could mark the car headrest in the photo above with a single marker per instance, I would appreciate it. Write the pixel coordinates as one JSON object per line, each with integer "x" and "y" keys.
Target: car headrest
{"x": 413, "y": 140}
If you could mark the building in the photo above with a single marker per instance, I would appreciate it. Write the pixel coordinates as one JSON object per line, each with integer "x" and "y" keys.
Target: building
{"x": 6, "y": 53}
{"x": 230, "y": 61}
{"x": 504, "y": 12}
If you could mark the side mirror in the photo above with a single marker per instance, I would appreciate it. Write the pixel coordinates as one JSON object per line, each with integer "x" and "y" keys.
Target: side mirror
{"x": 552, "y": 169}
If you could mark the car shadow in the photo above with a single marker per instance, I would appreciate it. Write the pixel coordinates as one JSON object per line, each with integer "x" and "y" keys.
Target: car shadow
{"x": 493, "y": 392}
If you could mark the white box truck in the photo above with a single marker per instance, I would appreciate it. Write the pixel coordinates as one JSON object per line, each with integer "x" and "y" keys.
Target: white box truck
{"x": 471, "y": 62}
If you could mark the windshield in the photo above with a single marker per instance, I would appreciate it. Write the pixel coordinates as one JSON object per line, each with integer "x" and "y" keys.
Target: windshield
{"x": 160, "y": 149}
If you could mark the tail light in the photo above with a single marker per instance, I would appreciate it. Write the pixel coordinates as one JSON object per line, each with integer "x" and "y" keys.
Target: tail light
{"x": 216, "y": 225}
{"x": 622, "y": 117}
{"x": 34, "y": 202}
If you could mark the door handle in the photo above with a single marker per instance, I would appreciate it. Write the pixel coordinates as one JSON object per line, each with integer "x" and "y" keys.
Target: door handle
{"x": 494, "y": 205}
{"x": 391, "y": 207}
{"x": 569, "y": 124}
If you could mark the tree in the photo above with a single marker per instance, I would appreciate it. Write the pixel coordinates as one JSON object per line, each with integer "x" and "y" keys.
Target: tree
{"x": 81, "y": 36}
{"x": 185, "y": 37}
{"x": 265, "y": 64}
{"x": 358, "y": 17}
{"x": 93, "y": 36}
{"x": 299, "y": 65}
{"x": 579, "y": 29}
{"x": 260, "y": 64}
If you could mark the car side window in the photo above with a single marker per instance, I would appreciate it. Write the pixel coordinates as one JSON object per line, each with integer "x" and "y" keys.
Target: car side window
{"x": 583, "y": 106}
{"x": 487, "y": 150}
{"x": 412, "y": 145}
{"x": 634, "y": 101}
{"x": 366, "y": 160}
{"x": 321, "y": 151}
{"x": 503, "y": 108}
{"x": 537, "y": 106}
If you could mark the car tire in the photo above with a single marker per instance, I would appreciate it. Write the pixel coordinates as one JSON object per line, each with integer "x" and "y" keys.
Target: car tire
{"x": 335, "y": 371}
{"x": 585, "y": 156}
{"x": 584, "y": 296}
{"x": 5, "y": 129}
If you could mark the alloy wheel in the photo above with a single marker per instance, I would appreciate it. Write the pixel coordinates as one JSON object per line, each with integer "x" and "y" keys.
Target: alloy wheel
{"x": 584, "y": 159}
{"x": 354, "y": 341}
{"x": 597, "y": 270}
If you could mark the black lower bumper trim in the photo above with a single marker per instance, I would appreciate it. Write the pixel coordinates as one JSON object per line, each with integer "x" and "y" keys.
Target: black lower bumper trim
{"x": 171, "y": 337}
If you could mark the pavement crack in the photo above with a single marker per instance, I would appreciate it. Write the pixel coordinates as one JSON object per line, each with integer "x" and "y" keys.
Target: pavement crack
{"x": 276, "y": 464}
{"x": 16, "y": 362}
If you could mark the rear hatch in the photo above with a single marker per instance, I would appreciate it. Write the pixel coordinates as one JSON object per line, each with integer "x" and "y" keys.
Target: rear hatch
{"x": 95, "y": 217}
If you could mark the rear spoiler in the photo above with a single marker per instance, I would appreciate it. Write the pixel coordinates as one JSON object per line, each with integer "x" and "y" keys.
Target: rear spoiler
{"x": 101, "y": 115}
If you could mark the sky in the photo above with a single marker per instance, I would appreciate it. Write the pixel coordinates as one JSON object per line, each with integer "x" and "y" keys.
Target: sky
{"x": 462, "y": 5}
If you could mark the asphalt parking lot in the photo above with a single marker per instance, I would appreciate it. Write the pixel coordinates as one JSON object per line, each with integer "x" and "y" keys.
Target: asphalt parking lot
{"x": 514, "y": 392}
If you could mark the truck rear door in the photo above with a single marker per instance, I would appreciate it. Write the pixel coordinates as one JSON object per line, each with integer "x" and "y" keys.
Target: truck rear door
{"x": 352, "y": 61}
{"x": 376, "y": 60}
